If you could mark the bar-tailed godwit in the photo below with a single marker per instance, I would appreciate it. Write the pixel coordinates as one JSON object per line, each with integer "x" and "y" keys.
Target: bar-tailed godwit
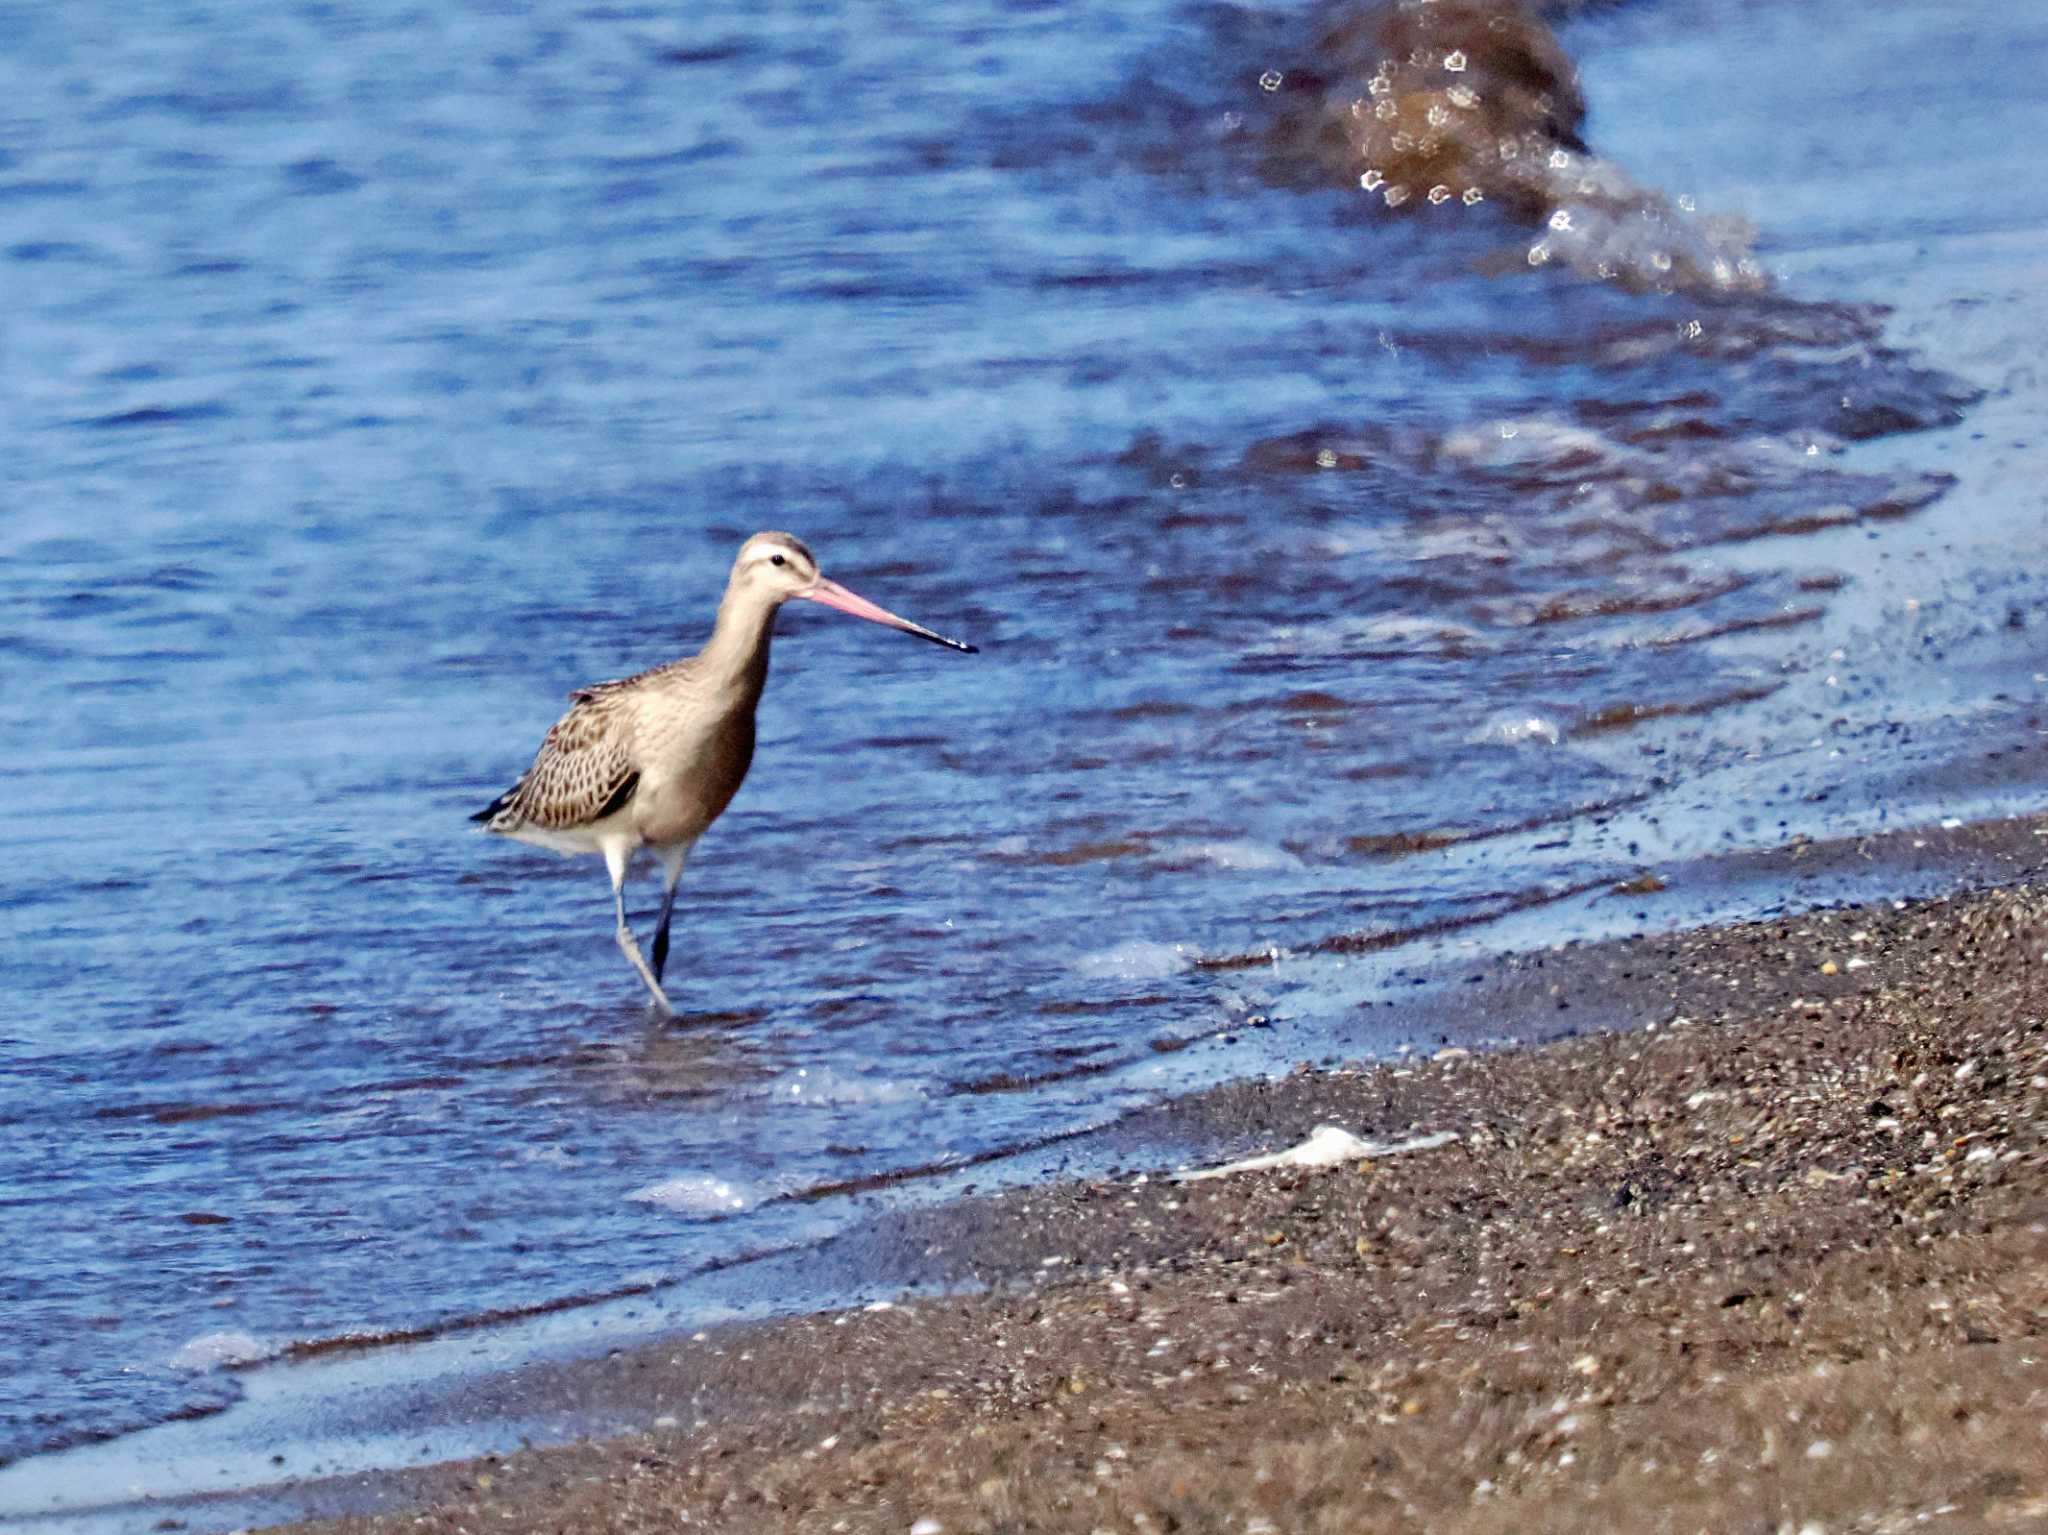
{"x": 650, "y": 761}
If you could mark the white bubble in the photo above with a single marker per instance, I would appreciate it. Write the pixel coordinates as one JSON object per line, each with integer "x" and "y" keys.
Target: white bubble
{"x": 1517, "y": 730}
{"x": 211, "y": 1350}
{"x": 1245, "y": 856}
{"x": 692, "y": 1194}
{"x": 1135, "y": 959}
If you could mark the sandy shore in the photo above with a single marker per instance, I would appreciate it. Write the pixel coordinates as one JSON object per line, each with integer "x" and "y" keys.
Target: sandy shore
{"x": 1778, "y": 1260}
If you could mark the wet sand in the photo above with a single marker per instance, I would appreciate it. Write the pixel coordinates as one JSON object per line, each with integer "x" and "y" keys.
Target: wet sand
{"x": 1774, "y": 1258}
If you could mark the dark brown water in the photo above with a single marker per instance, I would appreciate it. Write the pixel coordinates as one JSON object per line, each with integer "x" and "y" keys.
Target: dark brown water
{"x": 1355, "y": 583}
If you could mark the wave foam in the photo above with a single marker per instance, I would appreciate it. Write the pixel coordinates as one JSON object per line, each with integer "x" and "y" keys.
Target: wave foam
{"x": 698, "y": 1194}
{"x": 1137, "y": 959}
{"x": 213, "y": 1350}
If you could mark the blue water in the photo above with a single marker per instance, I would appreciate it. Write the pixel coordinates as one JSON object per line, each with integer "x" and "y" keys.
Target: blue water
{"x": 374, "y": 374}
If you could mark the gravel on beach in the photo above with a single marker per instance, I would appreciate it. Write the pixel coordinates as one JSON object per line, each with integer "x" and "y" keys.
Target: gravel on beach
{"x": 1778, "y": 1261}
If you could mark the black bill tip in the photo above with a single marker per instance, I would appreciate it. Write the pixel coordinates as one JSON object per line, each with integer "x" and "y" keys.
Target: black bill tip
{"x": 939, "y": 639}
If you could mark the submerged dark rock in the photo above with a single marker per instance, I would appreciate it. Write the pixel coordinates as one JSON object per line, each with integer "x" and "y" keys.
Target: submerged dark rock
{"x": 1444, "y": 105}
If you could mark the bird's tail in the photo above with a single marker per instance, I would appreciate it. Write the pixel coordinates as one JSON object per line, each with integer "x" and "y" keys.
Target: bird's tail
{"x": 495, "y": 808}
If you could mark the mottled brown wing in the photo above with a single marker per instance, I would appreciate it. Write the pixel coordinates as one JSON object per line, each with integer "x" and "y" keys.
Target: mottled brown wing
{"x": 582, "y": 772}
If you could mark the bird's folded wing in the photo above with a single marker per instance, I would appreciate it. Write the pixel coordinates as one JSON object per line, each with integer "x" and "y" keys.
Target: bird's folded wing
{"x": 582, "y": 773}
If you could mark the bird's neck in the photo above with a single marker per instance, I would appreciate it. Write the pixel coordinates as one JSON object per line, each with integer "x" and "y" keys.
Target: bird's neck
{"x": 736, "y": 655}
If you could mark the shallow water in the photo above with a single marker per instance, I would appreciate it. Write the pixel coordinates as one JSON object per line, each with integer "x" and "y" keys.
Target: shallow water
{"x": 377, "y": 373}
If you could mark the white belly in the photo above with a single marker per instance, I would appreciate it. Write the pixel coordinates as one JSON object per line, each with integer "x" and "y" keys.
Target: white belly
{"x": 571, "y": 840}
{"x": 615, "y": 833}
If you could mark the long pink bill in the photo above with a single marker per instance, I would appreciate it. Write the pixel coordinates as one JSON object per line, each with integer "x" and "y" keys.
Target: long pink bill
{"x": 833, "y": 595}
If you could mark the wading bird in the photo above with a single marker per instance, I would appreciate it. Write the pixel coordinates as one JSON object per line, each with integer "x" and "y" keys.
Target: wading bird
{"x": 650, "y": 761}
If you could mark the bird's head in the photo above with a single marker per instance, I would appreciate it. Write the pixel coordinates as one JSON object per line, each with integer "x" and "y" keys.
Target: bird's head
{"x": 774, "y": 567}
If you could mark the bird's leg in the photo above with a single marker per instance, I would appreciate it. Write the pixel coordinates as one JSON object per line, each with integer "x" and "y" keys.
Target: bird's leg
{"x": 616, "y": 859}
{"x": 671, "y": 871}
{"x": 630, "y": 947}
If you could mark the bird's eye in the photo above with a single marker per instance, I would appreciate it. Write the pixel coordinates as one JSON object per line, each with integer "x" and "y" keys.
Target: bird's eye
{"x": 776, "y": 559}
